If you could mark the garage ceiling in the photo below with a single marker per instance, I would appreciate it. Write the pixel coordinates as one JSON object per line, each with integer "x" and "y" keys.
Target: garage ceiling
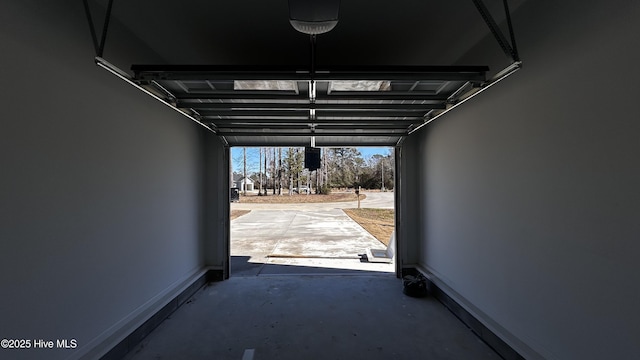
{"x": 329, "y": 100}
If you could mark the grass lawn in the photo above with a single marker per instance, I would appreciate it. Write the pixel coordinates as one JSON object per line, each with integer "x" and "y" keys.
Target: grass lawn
{"x": 237, "y": 213}
{"x": 378, "y": 222}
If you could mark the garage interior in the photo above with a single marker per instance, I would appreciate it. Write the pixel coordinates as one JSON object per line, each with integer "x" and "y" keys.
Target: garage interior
{"x": 520, "y": 205}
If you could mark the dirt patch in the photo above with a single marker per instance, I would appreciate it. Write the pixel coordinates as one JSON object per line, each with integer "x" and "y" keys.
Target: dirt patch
{"x": 237, "y": 213}
{"x": 299, "y": 198}
{"x": 378, "y": 222}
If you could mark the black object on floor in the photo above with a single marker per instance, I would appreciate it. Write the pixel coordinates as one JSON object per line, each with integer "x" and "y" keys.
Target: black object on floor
{"x": 414, "y": 285}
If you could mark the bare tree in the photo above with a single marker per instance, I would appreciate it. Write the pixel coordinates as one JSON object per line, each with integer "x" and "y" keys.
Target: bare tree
{"x": 260, "y": 171}
{"x": 244, "y": 173}
{"x": 279, "y": 171}
{"x": 265, "y": 171}
{"x": 273, "y": 172}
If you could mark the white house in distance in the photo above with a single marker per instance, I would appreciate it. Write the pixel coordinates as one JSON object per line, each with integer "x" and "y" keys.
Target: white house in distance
{"x": 239, "y": 183}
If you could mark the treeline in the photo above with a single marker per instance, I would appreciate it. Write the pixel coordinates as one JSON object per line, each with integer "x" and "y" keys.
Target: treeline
{"x": 282, "y": 170}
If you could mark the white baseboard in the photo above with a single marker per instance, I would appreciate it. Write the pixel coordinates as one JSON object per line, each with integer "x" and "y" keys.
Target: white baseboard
{"x": 111, "y": 337}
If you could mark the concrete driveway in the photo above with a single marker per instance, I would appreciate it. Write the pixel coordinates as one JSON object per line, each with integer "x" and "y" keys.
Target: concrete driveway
{"x": 303, "y": 238}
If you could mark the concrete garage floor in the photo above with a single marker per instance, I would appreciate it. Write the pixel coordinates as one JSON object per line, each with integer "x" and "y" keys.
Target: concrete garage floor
{"x": 311, "y": 317}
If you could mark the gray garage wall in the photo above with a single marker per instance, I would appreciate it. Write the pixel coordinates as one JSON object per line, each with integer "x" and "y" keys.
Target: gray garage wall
{"x": 532, "y": 209}
{"x": 101, "y": 186}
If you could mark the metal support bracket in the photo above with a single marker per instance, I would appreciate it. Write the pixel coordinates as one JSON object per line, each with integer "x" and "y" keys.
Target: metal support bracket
{"x": 510, "y": 49}
{"x": 99, "y": 46}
